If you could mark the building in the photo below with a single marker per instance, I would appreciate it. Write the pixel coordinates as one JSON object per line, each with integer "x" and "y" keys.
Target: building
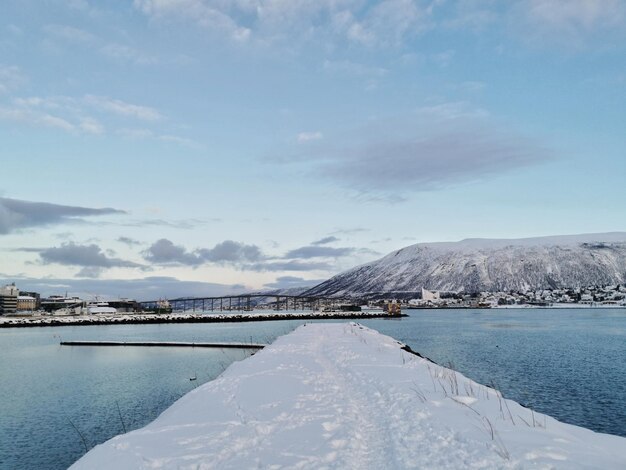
{"x": 430, "y": 295}
{"x": 26, "y": 303}
{"x": 34, "y": 295}
{"x": 8, "y": 299}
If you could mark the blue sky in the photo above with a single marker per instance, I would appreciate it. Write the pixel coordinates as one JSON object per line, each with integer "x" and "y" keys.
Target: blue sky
{"x": 211, "y": 146}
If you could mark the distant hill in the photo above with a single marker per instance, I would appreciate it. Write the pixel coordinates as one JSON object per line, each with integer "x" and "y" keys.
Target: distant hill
{"x": 477, "y": 265}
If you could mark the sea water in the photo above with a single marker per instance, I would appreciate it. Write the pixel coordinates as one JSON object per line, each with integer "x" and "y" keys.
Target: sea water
{"x": 55, "y": 401}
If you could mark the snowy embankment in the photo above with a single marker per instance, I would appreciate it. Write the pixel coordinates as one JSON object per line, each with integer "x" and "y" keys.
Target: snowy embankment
{"x": 138, "y": 318}
{"x": 344, "y": 396}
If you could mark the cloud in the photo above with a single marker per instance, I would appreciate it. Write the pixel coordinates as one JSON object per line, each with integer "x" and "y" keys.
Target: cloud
{"x": 91, "y": 258}
{"x": 16, "y": 214}
{"x": 287, "y": 282}
{"x": 572, "y": 24}
{"x": 164, "y": 251}
{"x": 11, "y": 77}
{"x": 325, "y": 240}
{"x": 316, "y": 251}
{"x": 149, "y": 288}
{"x": 292, "y": 265}
{"x": 76, "y": 114}
{"x": 35, "y": 118}
{"x": 575, "y": 16}
{"x": 185, "y": 224}
{"x": 472, "y": 15}
{"x": 230, "y": 251}
{"x": 388, "y": 23}
{"x": 206, "y": 14}
{"x": 69, "y": 33}
{"x": 128, "y": 241}
{"x": 309, "y": 136}
{"x": 429, "y": 163}
{"x": 347, "y": 67}
{"x": 72, "y": 254}
{"x": 122, "y": 108}
{"x": 378, "y": 23}
{"x": 436, "y": 147}
{"x": 140, "y": 134}
{"x": 91, "y": 126}
{"x": 350, "y": 231}
{"x": 111, "y": 50}
{"x": 126, "y": 53}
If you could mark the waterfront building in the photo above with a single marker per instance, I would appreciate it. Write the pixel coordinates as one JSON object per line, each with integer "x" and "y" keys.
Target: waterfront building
{"x": 8, "y": 299}
{"x": 34, "y": 295}
{"x": 57, "y": 302}
{"x": 26, "y": 303}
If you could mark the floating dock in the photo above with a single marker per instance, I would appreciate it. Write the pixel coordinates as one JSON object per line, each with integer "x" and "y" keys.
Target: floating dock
{"x": 164, "y": 344}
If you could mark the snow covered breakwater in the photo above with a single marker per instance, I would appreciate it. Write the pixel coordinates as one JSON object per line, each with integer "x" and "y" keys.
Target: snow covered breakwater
{"x": 138, "y": 318}
{"x": 345, "y": 396}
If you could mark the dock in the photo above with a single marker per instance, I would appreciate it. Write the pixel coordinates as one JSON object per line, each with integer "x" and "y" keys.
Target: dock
{"x": 164, "y": 344}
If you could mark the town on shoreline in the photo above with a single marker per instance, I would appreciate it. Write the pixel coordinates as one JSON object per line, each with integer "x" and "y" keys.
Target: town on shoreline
{"x": 19, "y": 308}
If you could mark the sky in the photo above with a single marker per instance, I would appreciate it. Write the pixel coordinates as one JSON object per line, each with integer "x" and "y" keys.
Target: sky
{"x": 158, "y": 148}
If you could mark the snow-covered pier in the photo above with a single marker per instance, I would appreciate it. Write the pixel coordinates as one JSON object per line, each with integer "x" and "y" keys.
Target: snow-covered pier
{"x": 344, "y": 396}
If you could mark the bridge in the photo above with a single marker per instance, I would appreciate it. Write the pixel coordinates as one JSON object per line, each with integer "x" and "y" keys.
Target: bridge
{"x": 244, "y": 302}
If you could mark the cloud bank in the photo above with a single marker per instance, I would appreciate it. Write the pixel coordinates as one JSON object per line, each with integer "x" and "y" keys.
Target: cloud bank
{"x": 434, "y": 148}
{"x": 149, "y": 288}
{"x": 16, "y": 214}
{"x": 165, "y": 252}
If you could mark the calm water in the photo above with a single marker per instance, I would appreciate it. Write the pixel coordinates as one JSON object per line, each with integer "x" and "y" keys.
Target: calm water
{"x": 570, "y": 364}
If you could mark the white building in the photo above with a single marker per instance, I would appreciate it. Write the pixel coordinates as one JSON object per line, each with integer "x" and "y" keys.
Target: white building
{"x": 430, "y": 295}
{"x": 8, "y": 299}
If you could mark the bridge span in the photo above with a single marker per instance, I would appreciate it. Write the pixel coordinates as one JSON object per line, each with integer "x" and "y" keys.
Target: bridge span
{"x": 245, "y": 302}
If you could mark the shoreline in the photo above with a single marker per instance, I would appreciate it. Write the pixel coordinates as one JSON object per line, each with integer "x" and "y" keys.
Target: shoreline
{"x": 137, "y": 319}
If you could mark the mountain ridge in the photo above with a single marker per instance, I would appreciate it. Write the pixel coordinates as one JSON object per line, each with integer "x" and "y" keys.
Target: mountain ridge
{"x": 476, "y": 265}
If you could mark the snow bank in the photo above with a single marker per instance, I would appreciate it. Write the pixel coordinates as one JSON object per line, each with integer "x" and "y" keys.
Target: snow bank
{"x": 344, "y": 396}
{"x": 138, "y": 318}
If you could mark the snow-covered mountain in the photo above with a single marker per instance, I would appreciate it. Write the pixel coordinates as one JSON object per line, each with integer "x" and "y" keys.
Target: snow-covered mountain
{"x": 476, "y": 265}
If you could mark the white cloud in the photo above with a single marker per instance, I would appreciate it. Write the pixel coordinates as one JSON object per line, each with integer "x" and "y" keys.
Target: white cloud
{"x": 451, "y": 111}
{"x": 309, "y": 136}
{"x": 573, "y": 15}
{"x": 573, "y": 23}
{"x": 136, "y": 133}
{"x": 140, "y": 134}
{"x": 347, "y": 67}
{"x": 91, "y": 126}
{"x": 126, "y": 53}
{"x": 383, "y": 22}
{"x": 206, "y": 14}
{"x": 69, "y": 33}
{"x": 35, "y": 118}
{"x": 178, "y": 140}
{"x": 122, "y": 108}
{"x": 11, "y": 77}
{"x": 77, "y": 115}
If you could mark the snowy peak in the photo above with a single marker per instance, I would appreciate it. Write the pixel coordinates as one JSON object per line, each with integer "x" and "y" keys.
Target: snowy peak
{"x": 475, "y": 265}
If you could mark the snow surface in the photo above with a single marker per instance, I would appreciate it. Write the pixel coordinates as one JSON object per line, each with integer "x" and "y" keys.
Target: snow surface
{"x": 344, "y": 396}
{"x": 206, "y": 317}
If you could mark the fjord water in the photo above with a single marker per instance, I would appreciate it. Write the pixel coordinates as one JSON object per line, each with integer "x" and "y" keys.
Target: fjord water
{"x": 569, "y": 363}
